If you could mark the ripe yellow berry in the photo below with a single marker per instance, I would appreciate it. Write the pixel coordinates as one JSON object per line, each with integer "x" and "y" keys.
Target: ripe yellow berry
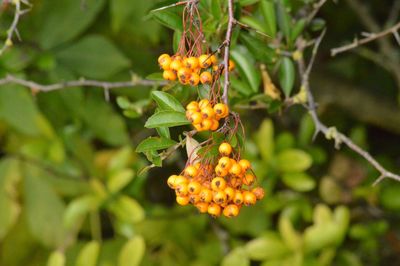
{"x": 163, "y": 57}
{"x": 231, "y": 65}
{"x": 193, "y": 199}
{"x": 249, "y": 198}
{"x": 176, "y": 64}
{"x": 194, "y": 187}
{"x": 182, "y": 189}
{"x": 198, "y": 127}
{"x": 215, "y": 68}
{"x": 194, "y": 79}
{"x": 231, "y": 210}
{"x": 220, "y": 197}
{"x": 202, "y": 207}
{"x": 206, "y": 124}
{"x": 238, "y": 198}
{"x": 193, "y": 105}
{"x": 248, "y": 179}
{"x": 206, "y": 77}
{"x": 225, "y": 148}
{"x": 218, "y": 183}
{"x": 165, "y": 62}
{"x": 204, "y": 103}
{"x": 213, "y": 60}
{"x": 191, "y": 62}
{"x": 235, "y": 182}
{"x": 206, "y": 195}
{"x": 182, "y": 200}
{"x": 230, "y": 193}
{"x": 221, "y": 171}
{"x": 196, "y": 118}
{"x": 215, "y": 125}
{"x": 191, "y": 171}
{"x": 245, "y": 164}
{"x": 221, "y": 110}
{"x": 169, "y": 75}
{"x": 204, "y": 61}
{"x": 184, "y": 74}
{"x": 208, "y": 112}
{"x": 236, "y": 169}
{"x": 214, "y": 210}
{"x": 180, "y": 180}
{"x": 258, "y": 192}
{"x": 225, "y": 162}
{"x": 171, "y": 181}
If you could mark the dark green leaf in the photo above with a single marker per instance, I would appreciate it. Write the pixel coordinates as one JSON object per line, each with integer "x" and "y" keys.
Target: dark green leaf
{"x": 155, "y": 143}
{"x": 298, "y": 29}
{"x": 167, "y": 119}
{"x": 120, "y": 12}
{"x": 268, "y": 11}
{"x": 258, "y": 48}
{"x": 168, "y": 18}
{"x": 287, "y": 75}
{"x": 253, "y": 23}
{"x": 167, "y": 102}
{"x": 247, "y": 69}
{"x": 284, "y": 20}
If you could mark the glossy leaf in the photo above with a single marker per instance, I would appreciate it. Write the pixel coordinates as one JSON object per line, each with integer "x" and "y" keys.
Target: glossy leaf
{"x": 287, "y": 75}
{"x": 247, "y": 68}
{"x": 167, "y": 102}
{"x": 294, "y": 160}
{"x": 167, "y": 119}
{"x": 154, "y": 143}
{"x": 127, "y": 209}
{"x": 268, "y": 11}
{"x": 168, "y": 18}
{"x": 284, "y": 20}
{"x": 265, "y": 139}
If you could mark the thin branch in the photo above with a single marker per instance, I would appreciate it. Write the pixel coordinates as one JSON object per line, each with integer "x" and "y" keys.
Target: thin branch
{"x": 227, "y": 42}
{"x": 248, "y": 27}
{"x": 10, "y": 79}
{"x": 12, "y": 30}
{"x": 392, "y": 30}
{"x": 173, "y": 5}
{"x": 316, "y": 8}
{"x": 331, "y": 132}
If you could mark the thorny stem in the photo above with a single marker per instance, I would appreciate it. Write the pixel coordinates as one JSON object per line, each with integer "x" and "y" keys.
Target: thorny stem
{"x": 330, "y": 132}
{"x": 227, "y": 42}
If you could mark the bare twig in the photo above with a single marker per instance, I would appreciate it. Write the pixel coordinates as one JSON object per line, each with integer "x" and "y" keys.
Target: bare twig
{"x": 13, "y": 27}
{"x": 248, "y": 27}
{"x": 316, "y": 8}
{"x": 392, "y": 30}
{"x": 173, "y": 5}
{"x": 10, "y": 79}
{"x": 227, "y": 42}
{"x": 331, "y": 132}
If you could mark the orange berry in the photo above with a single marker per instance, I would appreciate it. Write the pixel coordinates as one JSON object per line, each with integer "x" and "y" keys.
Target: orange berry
{"x": 196, "y": 118}
{"x": 220, "y": 197}
{"x": 231, "y": 65}
{"x": 191, "y": 62}
{"x": 193, "y": 199}
{"x": 204, "y": 61}
{"x": 204, "y": 103}
{"x": 231, "y": 210}
{"x": 221, "y": 110}
{"x": 182, "y": 200}
{"x": 215, "y": 68}
{"x": 165, "y": 62}
{"x": 214, "y": 210}
{"x": 206, "y": 77}
{"x": 249, "y": 198}
{"x": 238, "y": 198}
{"x": 171, "y": 181}
{"x": 259, "y": 192}
{"x": 218, "y": 183}
{"x": 236, "y": 169}
{"x": 214, "y": 125}
{"x": 197, "y": 165}
{"x": 182, "y": 189}
{"x": 230, "y": 193}
{"x": 193, "y": 106}
{"x": 184, "y": 73}
{"x": 213, "y": 60}
{"x": 206, "y": 195}
{"x": 225, "y": 162}
{"x": 194, "y": 79}
{"x": 248, "y": 179}
{"x": 206, "y": 124}
{"x": 225, "y": 148}
{"x": 176, "y": 64}
{"x": 202, "y": 207}
{"x": 221, "y": 171}
{"x": 198, "y": 127}
{"x": 169, "y": 75}
{"x": 235, "y": 182}
{"x": 208, "y": 112}
{"x": 191, "y": 171}
{"x": 180, "y": 180}
{"x": 245, "y": 164}
{"x": 194, "y": 187}
{"x": 162, "y": 57}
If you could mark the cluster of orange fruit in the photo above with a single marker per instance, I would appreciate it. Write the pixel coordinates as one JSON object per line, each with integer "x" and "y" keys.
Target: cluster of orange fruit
{"x": 190, "y": 70}
{"x": 217, "y": 189}
{"x": 204, "y": 116}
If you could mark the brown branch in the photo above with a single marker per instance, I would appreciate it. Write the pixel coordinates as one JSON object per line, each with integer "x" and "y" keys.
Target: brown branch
{"x": 10, "y": 79}
{"x": 173, "y": 5}
{"x": 331, "y": 132}
{"x": 373, "y": 36}
{"x": 316, "y": 8}
{"x": 227, "y": 42}
{"x": 12, "y": 30}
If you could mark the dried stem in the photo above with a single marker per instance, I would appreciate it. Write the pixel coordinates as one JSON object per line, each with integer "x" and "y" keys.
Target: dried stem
{"x": 10, "y": 79}
{"x": 227, "y": 42}
{"x": 373, "y": 36}
{"x": 331, "y": 132}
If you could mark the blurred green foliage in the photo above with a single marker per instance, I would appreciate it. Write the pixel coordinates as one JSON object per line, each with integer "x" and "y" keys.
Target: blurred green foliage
{"x": 72, "y": 186}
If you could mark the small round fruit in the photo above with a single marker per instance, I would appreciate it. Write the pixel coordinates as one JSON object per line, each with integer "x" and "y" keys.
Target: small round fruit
{"x": 184, "y": 73}
{"x": 221, "y": 110}
{"x": 218, "y": 183}
{"x": 220, "y": 197}
{"x": 205, "y": 61}
{"x": 191, "y": 171}
{"x": 204, "y": 103}
{"x": 194, "y": 79}
{"x": 196, "y": 118}
{"x": 238, "y": 198}
{"x": 213, "y": 60}
{"x": 206, "y": 77}
{"x": 169, "y": 75}
{"x": 182, "y": 189}
{"x": 225, "y": 162}
{"x": 248, "y": 179}
{"x": 231, "y": 66}
{"x": 231, "y": 210}
{"x": 206, "y": 124}
{"x": 198, "y": 127}
{"x": 202, "y": 207}
{"x": 182, "y": 200}
{"x": 171, "y": 181}
{"x": 193, "y": 199}
{"x": 259, "y": 192}
{"x": 221, "y": 171}
{"x": 206, "y": 195}
{"x": 214, "y": 210}
{"x": 176, "y": 64}
{"x": 193, "y": 106}
{"x": 180, "y": 179}
{"x": 225, "y": 148}
{"x": 235, "y": 182}
{"x": 194, "y": 187}
{"x": 236, "y": 169}
{"x": 249, "y": 198}
{"x": 163, "y": 57}
{"x": 245, "y": 164}
{"x": 165, "y": 63}
{"x": 191, "y": 62}
{"x": 230, "y": 193}
{"x": 208, "y": 112}
{"x": 214, "y": 125}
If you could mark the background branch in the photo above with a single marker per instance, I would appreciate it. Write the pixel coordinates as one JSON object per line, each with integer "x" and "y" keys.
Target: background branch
{"x": 227, "y": 42}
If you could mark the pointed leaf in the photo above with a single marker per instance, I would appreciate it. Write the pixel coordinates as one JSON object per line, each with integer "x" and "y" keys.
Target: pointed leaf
{"x": 88, "y": 254}
{"x": 268, "y": 11}
{"x": 167, "y": 119}
{"x": 287, "y": 75}
{"x": 167, "y": 102}
{"x": 154, "y": 143}
{"x": 132, "y": 252}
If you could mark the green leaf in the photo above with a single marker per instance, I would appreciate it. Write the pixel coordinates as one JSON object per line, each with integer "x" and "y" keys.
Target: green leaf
{"x": 88, "y": 254}
{"x": 93, "y": 56}
{"x": 241, "y": 87}
{"x": 119, "y": 180}
{"x": 268, "y": 11}
{"x": 298, "y": 29}
{"x": 154, "y": 143}
{"x": 237, "y": 257}
{"x": 132, "y": 252}
{"x": 44, "y": 209}
{"x": 254, "y": 23}
{"x": 18, "y": 109}
{"x": 291, "y": 237}
{"x": 258, "y": 48}
{"x": 167, "y": 119}
{"x": 167, "y": 102}
{"x": 389, "y": 197}
{"x": 265, "y": 140}
{"x": 57, "y": 258}
{"x": 216, "y": 10}
{"x": 284, "y": 20}
{"x": 294, "y": 160}
{"x": 269, "y": 246}
{"x": 163, "y": 132}
{"x": 247, "y": 2}
{"x": 168, "y": 18}
{"x": 301, "y": 182}
{"x": 287, "y": 75}
{"x": 120, "y": 160}
{"x": 65, "y": 19}
{"x": 78, "y": 208}
{"x": 127, "y": 209}
{"x": 120, "y": 12}
{"x": 10, "y": 209}
{"x": 247, "y": 68}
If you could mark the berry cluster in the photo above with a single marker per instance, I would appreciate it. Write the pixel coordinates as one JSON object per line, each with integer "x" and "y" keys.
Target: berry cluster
{"x": 204, "y": 116}
{"x": 217, "y": 188}
{"x": 190, "y": 70}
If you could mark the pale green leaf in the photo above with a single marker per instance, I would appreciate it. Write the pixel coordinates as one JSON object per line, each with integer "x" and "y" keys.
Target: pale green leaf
{"x": 167, "y": 119}
{"x": 293, "y": 160}
{"x": 167, "y": 102}
{"x": 154, "y": 143}
{"x": 88, "y": 255}
{"x": 132, "y": 252}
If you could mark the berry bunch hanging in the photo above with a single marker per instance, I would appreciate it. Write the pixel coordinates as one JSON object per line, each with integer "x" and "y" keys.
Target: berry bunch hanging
{"x": 204, "y": 116}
